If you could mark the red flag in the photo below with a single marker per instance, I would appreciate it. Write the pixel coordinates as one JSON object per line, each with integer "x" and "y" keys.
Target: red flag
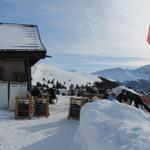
{"x": 148, "y": 37}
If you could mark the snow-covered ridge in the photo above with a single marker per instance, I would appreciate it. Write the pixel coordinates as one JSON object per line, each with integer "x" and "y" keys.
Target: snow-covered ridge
{"x": 122, "y": 75}
{"x": 117, "y": 74}
{"x": 49, "y": 72}
{"x": 118, "y": 90}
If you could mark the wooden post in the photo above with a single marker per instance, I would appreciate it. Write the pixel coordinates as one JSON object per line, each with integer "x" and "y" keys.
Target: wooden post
{"x": 16, "y": 111}
{"x": 30, "y": 107}
{"x": 28, "y": 74}
{"x": 47, "y": 107}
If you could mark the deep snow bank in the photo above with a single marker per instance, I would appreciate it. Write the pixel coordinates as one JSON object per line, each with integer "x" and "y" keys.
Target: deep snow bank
{"x": 107, "y": 125}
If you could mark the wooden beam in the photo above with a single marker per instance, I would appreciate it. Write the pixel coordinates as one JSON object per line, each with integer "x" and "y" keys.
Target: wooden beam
{"x": 28, "y": 74}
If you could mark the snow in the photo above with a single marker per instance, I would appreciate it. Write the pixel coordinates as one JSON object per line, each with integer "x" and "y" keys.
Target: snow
{"x": 50, "y": 72}
{"x": 119, "y": 89}
{"x": 19, "y": 37}
{"x": 117, "y": 74}
{"x": 103, "y": 125}
{"x": 111, "y": 125}
{"x": 54, "y": 133}
{"x": 142, "y": 72}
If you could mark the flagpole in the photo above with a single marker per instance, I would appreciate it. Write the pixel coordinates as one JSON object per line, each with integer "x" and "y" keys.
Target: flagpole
{"x": 148, "y": 41}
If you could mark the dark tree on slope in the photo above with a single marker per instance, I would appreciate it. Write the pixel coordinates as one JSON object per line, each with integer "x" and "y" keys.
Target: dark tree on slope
{"x": 52, "y": 82}
{"x": 59, "y": 85}
{"x": 71, "y": 89}
{"x": 77, "y": 86}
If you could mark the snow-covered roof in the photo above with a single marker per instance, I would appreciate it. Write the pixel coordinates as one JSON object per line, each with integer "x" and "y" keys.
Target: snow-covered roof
{"x": 20, "y": 37}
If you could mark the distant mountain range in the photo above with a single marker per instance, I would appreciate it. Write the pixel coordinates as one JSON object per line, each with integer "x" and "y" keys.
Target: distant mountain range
{"x": 137, "y": 78}
{"x": 122, "y": 75}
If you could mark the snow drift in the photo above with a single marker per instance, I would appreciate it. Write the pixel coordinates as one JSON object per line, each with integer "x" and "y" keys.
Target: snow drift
{"x": 50, "y": 72}
{"x": 110, "y": 125}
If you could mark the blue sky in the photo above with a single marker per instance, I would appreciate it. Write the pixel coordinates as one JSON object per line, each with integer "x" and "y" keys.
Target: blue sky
{"x": 87, "y": 35}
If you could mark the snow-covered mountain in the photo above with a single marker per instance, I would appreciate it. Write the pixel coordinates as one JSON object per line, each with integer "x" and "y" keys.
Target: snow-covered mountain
{"x": 122, "y": 75}
{"x": 117, "y": 74}
{"x": 49, "y": 72}
{"x": 142, "y": 72}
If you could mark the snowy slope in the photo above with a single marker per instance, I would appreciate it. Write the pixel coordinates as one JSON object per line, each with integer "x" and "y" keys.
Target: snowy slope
{"x": 117, "y": 74}
{"x": 50, "y": 72}
{"x": 104, "y": 125}
{"x": 118, "y": 90}
{"x": 123, "y": 75}
{"x": 53, "y": 133}
{"x": 110, "y": 125}
{"x": 142, "y": 72}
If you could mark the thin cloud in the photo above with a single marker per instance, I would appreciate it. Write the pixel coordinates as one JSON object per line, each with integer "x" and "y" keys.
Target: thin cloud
{"x": 100, "y": 27}
{"x": 87, "y": 27}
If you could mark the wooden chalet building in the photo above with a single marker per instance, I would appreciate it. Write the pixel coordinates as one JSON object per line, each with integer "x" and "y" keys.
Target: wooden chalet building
{"x": 20, "y": 48}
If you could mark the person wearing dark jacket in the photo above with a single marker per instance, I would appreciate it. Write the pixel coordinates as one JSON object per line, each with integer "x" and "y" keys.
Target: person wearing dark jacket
{"x": 123, "y": 97}
{"x": 52, "y": 95}
{"x": 128, "y": 97}
{"x": 138, "y": 101}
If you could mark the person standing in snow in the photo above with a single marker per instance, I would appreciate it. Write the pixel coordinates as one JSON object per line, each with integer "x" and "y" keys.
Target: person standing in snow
{"x": 123, "y": 97}
{"x": 138, "y": 101}
{"x": 52, "y": 95}
{"x": 128, "y": 97}
{"x": 35, "y": 91}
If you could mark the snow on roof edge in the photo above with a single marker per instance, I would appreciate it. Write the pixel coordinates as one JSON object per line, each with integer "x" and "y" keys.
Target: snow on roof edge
{"x": 20, "y": 37}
